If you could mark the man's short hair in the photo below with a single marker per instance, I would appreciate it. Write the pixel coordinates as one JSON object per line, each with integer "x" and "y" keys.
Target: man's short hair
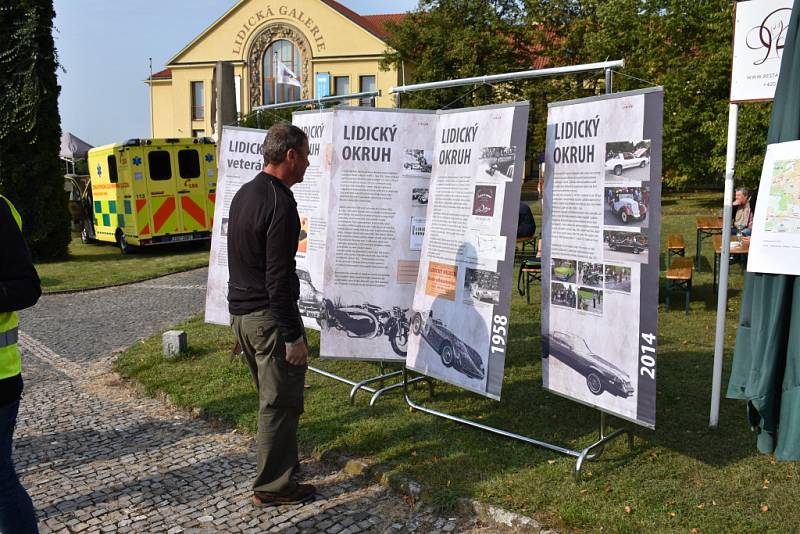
{"x": 280, "y": 138}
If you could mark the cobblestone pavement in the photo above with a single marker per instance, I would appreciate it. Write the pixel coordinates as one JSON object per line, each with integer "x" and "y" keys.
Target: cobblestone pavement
{"x": 97, "y": 457}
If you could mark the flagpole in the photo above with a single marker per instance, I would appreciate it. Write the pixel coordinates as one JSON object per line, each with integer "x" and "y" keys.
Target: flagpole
{"x": 275, "y": 74}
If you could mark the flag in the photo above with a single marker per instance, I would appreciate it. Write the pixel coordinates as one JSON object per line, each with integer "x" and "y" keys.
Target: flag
{"x": 286, "y": 76}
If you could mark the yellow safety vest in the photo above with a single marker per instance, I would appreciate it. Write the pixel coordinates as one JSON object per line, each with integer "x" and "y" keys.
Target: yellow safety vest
{"x": 10, "y": 360}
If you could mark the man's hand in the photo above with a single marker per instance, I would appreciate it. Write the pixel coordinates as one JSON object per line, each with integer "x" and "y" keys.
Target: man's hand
{"x": 297, "y": 354}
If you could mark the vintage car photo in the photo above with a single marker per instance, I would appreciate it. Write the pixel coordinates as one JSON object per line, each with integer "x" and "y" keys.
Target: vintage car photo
{"x": 563, "y": 270}
{"x": 590, "y": 274}
{"x": 483, "y": 286}
{"x": 618, "y": 278}
{"x": 626, "y": 206}
{"x": 417, "y": 160}
{"x": 625, "y": 246}
{"x": 453, "y": 352}
{"x": 628, "y": 159}
{"x": 600, "y": 374}
{"x": 310, "y": 302}
{"x": 590, "y": 300}
{"x": 563, "y": 295}
{"x": 499, "y": 159}
{"x": 419, "y": 196}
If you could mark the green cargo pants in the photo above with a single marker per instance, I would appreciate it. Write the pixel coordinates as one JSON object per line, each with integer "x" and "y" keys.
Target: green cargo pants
{"x": 280, "y": 393}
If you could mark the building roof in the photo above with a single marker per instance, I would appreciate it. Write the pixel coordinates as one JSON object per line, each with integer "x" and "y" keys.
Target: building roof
{"x": 162, "y": 74}
{"x": 379, "y": 22}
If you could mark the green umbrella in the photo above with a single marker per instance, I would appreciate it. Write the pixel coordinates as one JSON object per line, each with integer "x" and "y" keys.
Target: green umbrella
{"x": 766, "y": 359}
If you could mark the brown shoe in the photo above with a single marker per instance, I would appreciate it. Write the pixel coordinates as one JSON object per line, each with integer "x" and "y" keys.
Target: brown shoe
{"x": 302, "y": 493}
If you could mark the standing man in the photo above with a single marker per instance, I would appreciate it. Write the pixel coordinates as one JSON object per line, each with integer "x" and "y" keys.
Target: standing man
{"x": 19, "y": 289}
{"x": 263, "y": 289}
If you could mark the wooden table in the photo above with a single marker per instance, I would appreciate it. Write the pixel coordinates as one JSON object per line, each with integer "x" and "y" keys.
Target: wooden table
{"x": 706, "y": 226}
{"x": 740, "y": 251}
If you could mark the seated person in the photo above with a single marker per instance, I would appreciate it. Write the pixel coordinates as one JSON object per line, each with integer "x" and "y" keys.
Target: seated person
{"x": 526, "y": 227}
{"x": 743, "y": 212}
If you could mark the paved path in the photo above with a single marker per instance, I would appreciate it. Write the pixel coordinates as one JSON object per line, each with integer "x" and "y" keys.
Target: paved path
{"x": 97, "y": 457}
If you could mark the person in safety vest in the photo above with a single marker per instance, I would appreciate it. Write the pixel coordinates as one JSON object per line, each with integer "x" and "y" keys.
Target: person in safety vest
{"x": 19, "y": 289}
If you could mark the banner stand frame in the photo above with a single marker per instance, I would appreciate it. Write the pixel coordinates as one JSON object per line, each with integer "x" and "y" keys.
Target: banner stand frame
{"x": 581, "y": 456}
{"x": 363, "y": 385}
{"x": 586, "y": 453}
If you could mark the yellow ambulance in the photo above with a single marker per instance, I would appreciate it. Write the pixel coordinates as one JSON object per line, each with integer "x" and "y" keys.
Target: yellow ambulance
{"x": 151, "y": 191}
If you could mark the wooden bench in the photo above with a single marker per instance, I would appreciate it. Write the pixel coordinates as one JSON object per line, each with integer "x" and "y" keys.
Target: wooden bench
{"x": 675, "y": 246}
{"x": 679, "y": 277}
{"x": 527, "y": 242}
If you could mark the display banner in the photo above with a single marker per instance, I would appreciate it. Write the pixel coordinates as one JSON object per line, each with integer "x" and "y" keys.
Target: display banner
{"x": 239, "y": 161}
{"x": 775, "y": 243}
{"x": 600, "y": 256}
{"x": 759, "y": 35}
{"x": 459, "y": 326}
{"x": 377, "y": 199}
{"x": 311, "y": 196}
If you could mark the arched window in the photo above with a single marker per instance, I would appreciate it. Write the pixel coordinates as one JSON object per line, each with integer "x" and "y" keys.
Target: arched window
{"x": 285, "y": 52}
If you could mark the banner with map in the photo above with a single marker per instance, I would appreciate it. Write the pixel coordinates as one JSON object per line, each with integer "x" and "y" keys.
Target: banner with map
{"x": 775, "y": 243}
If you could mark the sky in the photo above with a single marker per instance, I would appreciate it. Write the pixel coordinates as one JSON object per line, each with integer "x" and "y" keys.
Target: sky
{"x": 104, "y": 45}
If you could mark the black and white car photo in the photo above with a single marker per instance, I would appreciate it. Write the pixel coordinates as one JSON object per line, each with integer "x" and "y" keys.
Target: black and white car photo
{"x": 601, "y": 375}
{"x": 453, "y": 352}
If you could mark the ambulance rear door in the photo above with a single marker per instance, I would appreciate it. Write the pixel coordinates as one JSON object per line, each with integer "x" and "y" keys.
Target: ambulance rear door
{"x": 160, "y": 170}
{"x": 192, "y": 188}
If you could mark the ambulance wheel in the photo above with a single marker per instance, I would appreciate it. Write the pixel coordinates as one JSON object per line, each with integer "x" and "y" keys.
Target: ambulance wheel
{"x": 124, "y": 247}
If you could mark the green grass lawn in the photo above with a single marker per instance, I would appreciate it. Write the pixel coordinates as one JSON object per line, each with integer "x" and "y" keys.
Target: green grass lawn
{"x": 102, "y": 264}
{"x": 680, "y": 477}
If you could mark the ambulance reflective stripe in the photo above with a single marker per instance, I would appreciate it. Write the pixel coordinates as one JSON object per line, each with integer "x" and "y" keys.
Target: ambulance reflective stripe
{"x": 213, "y": 198}
{"x": 10, "y": 360}
{"x": 165, "y": 216}
{"x": 142, "y": 217}
{"x": 193, "y": 210}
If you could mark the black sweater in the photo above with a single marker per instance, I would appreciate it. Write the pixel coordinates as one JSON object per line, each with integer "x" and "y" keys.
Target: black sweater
{"x": 19, "y": 285}
{"x": 263, "y": 229}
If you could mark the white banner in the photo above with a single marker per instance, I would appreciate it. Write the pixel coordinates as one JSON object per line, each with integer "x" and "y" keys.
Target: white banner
{"x": 600, "y": 256}
{"x": 775, "y": 243}
{"x": 378, "y": 195}
{"x": 463, "y": 291}
{"x": 240, "y": 160}
{"x": 759, "y": 35}
{"x": 312, "y": 206}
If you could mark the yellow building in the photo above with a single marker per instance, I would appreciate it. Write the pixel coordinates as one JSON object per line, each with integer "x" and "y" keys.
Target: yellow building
{"x": 330, "y": 48}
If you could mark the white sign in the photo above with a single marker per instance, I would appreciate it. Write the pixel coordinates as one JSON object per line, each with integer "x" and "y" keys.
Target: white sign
{"x": 760, "y": 32}
{"x": 600, "y": 261}
{"x": 311, "y": 196}
{"x": 775, "y": 243}
{"x": 378, "y": 194}
{"x": 459, "y": 325}
{"x": 240, "y": 160}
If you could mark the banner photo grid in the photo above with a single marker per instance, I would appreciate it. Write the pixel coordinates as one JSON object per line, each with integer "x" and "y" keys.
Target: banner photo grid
{"x": 600, "y": 255}
{"x": 379, "y": 189}
{"x": 459, "y": 323}
{"x": 311, "y": 196}
{"x": 775, "y": 243}
{"x": 758, "y": 39}
{"x": 240, "y": 160}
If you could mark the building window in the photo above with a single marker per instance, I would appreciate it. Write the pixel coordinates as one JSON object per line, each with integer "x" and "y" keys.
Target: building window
{"x": 113, "y": 177}
{"x": 160, "y": 168}
{"x": 197, "y": 101}
{"x": 188, "y": 163}
{"x": 285, "y": 52}
{"x": 198, "y": 133}
{"x": 341, "y": 85}
{"x": 366, "y": 83}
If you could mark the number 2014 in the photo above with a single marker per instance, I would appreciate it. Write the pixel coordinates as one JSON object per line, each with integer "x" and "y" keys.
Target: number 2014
{"x": 647, "y": 358}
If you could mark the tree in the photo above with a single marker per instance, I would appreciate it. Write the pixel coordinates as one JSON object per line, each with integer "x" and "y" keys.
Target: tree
{"x": 30, "y": 170}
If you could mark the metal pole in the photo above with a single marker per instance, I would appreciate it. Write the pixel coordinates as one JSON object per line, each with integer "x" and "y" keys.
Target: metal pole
{"x": 152, "y": 127}
{"x": 722, "y": 297}
{"x": 275, "y": 75}
{"x": 317, "y": 101}
{"x": 494, "y": 78}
